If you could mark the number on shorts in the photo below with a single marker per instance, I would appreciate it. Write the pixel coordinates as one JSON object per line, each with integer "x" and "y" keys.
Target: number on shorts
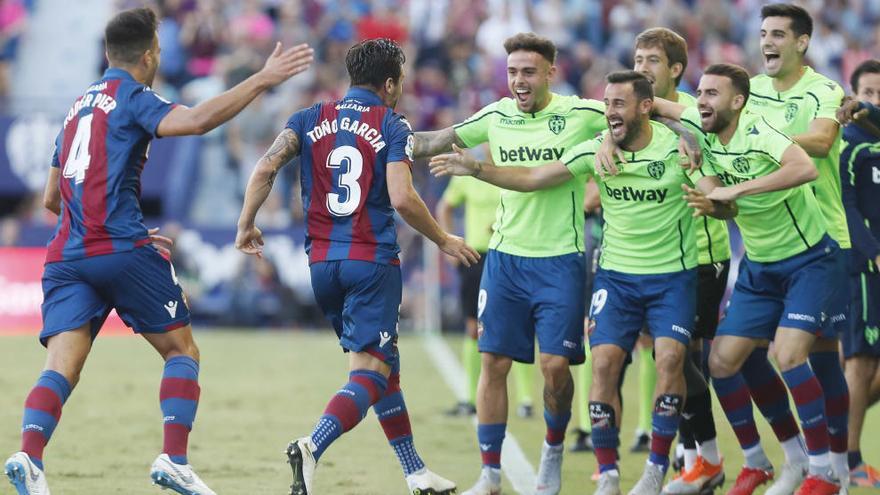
{"x": 347, "y": 181}
{"x": 78, "y": 157}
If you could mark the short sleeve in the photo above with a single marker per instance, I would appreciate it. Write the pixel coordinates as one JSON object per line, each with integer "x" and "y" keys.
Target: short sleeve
{"x": 690, "y": 118}
{"x": 148, "y": 109}
{"x": 580, "y": 158}
{"x": 769, "y": 140}
{"x": 454, "y": 194}
{"x": 57, "y": 150}
{"x": 475, "y": 130}
{"x": 597, "y": 125}
{"x": 829, "y": 95}
{"x": 399, "y": 137}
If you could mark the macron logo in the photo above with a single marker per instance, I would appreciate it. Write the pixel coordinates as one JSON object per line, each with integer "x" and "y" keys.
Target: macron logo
{"x": 384, "y": 337}
{"x": 171, "y": 307}
{"x": 485, "y": 447}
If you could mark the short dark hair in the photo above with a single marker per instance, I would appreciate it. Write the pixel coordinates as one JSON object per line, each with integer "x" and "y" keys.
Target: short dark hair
{"x": 531, "y": 42}
{"x": 801, "y": 22}
{"x": 641, "y": 84}
{"x": 372, "y": 62}
{"x": 738, "y": 76}
{"x": 670, "y": 42}
{"x": 871, "y": 66}
{"x": 129, "y": 34}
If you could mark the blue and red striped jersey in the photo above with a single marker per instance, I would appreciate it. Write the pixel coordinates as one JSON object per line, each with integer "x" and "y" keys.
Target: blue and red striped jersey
{"x": 345, "y": 147}
{"x": 101, "y": 151}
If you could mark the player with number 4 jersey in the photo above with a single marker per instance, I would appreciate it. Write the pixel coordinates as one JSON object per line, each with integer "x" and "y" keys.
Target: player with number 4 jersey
{"x": 102, "y": 257}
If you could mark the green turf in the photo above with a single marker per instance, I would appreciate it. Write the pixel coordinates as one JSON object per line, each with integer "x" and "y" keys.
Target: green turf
{"x": 260, "y": 390}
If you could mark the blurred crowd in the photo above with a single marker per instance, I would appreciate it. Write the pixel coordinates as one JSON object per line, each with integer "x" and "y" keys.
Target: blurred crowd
{"x": 455, "y": 65}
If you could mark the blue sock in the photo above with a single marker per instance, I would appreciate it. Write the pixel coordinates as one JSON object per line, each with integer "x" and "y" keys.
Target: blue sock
{"x": 810, "y": 403}
{"x": 826, "y": 366}
{"x": 556, "y": 426}
{"x": 179, "y": 399}
{"x": 664, "y": 426}
{"x": 348, "y": 407}
{"x": 42, "y": 411}
{"x": 605, "y": 435}
{"x": 854, "y": 458}
{"x": 491, "y": 437}
{"x": 394, "y": 419}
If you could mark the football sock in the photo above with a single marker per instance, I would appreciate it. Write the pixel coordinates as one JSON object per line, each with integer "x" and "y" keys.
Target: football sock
{"x": 606, "y": 435}
{"x": 810, "y": 404}
{"x": 556, "y": 425}
{"x": 826, "y": 366}
{"x": 667, "y": 413}
{"x": 491, "y": 437}
{"x": 348, "y": 407}
{"x": 394, "y": 418}
{"x": 42, "y": 411}
{"x": 770, "y": 395}
{"x": 737, "y": 404}
{"x": 179, "y": 400}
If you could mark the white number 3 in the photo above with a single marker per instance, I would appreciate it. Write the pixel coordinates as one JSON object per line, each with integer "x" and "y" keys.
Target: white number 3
{"x": 78, "y": 157}
{"x": 347, "y": 180}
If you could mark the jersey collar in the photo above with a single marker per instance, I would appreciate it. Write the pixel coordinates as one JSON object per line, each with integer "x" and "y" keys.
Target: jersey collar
{"x": 551, "y": 107}
{"x": 117, "y": 73}
{"x": 364, "y": 96}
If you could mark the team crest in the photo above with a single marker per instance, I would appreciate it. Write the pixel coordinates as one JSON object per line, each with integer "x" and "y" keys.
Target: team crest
{"x": 791, "y": 110}
{"x": 656, "y": 169}
{"x": 556, "y": 124}
{"x": 741, "y": 165}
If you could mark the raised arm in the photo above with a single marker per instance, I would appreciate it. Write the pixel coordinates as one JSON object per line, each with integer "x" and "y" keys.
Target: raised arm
{"x": 514, "y": 178}
{"x": 280, "y": 66}
{"x": 432, "y": 143}
{"x": 249, "y": 239}
{"x": 412, "y": 209}
{"x": 667, "y": 109}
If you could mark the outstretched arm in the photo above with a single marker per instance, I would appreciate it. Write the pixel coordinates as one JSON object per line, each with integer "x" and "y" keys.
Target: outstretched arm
{"x": 280, "y": 66}
{"x": 514, "y": 178}
{"x": 409, "y": 204}
{"x": 286, "y": 146}
{"x": 432, "y": 143}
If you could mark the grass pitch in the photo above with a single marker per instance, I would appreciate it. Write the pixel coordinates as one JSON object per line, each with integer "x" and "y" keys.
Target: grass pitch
{"x": 259, "y": 391}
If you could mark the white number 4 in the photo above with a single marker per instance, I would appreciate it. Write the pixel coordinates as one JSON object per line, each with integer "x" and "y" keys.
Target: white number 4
{"x": 78, "y": 157}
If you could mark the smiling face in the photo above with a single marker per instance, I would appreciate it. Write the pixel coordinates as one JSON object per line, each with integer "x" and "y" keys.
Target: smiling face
{"x": 624, "y": 112}
{"x": 783, "y": 51}
{"x": 718, "y": 102}
{"x": 653, "y": 62}
{"x": 528, "y": 77}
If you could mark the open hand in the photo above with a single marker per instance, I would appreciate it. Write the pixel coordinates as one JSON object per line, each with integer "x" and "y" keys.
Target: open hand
{"x": 160, "y": 242}
{"x": 459, "y": 162}
{"x": 454, "y": 246}
{"x": 282, "y": 65}
{"x": 606, "y": 156}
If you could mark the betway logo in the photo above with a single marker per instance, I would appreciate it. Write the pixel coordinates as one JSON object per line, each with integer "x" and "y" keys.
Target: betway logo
{"x": 730, "y": 180}
{"x": 526, "y": 154}
{"x": 628, "y": 193}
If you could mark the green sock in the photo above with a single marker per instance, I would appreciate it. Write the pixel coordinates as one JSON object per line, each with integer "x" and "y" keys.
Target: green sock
{"x": 647, "y": 382}
{"x": 524, "y": 375}
{"x": 583, "y": 378}
{"x": 470, "y": 358}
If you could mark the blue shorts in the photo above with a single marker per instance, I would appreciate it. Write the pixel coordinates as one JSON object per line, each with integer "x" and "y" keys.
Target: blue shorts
{"x": 140, "y": 284}
{"x": 522, "y": 298}
{"x": 863, "y": 332}
{"x": 623, "y": 304}
{"x": 795, "y": 292}
{"x": 362, "y": 301}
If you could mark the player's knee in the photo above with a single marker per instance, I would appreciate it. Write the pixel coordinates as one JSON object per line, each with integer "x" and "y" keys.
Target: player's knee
{"x": 495, "y": 368}
{"x": 789, "y": 357}
{"x": 185, "y": 348}
{"x": 606, "y": 367}
{"x": 669, "y": 362}
{"x": 720, "y": 366}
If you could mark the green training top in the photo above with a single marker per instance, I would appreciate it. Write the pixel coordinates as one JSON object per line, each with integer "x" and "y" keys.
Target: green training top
{"x": 542, "y": 223}
{"x": 774, "y": 225}
{"x": 480, "y": 200}
{"x": 713, "y": 242}
{"x": 649, "y": 228}
{"x": 813, "y": 97}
